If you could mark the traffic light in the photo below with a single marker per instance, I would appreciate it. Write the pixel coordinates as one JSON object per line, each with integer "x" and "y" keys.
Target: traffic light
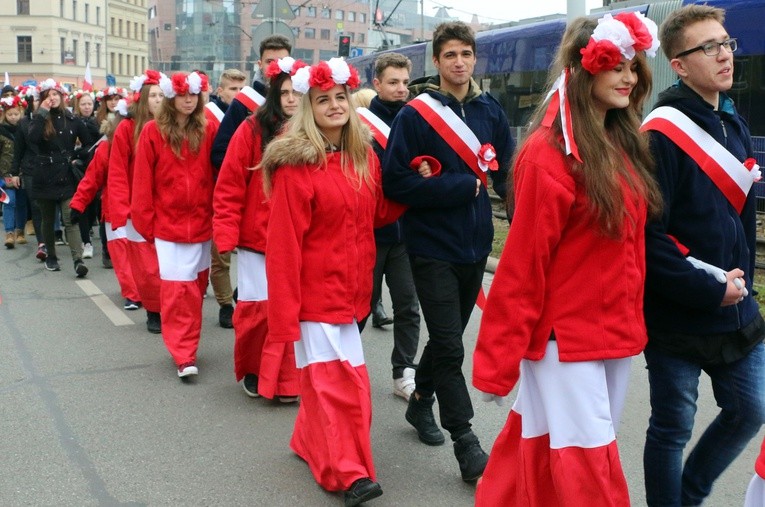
{"x": 344, "y": 46}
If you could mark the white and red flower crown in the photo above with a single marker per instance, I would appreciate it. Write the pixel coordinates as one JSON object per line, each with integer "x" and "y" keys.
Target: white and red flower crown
{"x": 287, "y": 65}
{"x": 51, "y": 84}
{"x": 11, "y": 102}
{"x": 111, "y": 91}
{"x": 617, "y": 37}
{"x": 325, "y": 75}
{"x": 122, "y": 107}
{"x": 181, "y": 84}
{"x": 80, "y": 93}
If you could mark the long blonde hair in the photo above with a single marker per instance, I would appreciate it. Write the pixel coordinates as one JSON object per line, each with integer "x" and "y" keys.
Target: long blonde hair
{"x": 603, "y": 147}
{"x": 174, "y": 133}
{"x": 301, "y": 128}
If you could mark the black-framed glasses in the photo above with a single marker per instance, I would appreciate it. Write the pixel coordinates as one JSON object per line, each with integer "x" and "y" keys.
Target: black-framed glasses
{"x": 712, "y": 48}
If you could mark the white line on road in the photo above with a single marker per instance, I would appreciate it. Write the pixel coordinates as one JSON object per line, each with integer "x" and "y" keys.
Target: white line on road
{"x": 114, "y": 314}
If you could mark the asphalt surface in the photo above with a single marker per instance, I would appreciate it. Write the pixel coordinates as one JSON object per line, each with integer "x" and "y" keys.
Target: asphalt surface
{"x": 92, "y": 412}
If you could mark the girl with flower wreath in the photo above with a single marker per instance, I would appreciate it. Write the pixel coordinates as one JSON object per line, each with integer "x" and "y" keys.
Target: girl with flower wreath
{"x": 107, "y": 103}
{"x": 172, "y": 208}
{"x": 140, "y": 254}
{"x": 240, "y": 219}
{"x": 324, "y": 184}
{"x": 15, "y": 210}
{"x": 565, "y": 310}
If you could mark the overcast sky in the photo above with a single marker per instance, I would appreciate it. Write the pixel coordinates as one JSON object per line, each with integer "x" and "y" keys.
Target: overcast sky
{"x": 499, "y": 11}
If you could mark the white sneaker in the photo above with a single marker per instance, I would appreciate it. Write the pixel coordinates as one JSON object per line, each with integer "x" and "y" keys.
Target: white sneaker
{"x": 187, "y": 370}
{"x": 405, "y": 385}
{"x": 87, "y": 251}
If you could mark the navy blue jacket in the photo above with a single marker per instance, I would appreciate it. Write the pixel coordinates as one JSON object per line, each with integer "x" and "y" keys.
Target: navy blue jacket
{"x": 386, "y": 111}
{"x": 680, "y": 298}
{"x": 446, "y": 220}
{"x": 233, "y": 116}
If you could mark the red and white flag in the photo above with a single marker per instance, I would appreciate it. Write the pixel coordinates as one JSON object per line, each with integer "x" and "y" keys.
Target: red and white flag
{"x": 87, "y": 84}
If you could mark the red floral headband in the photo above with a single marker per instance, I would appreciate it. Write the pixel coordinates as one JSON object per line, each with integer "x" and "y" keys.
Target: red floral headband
{"x": 286, "y": 65}
{"x": 325, "y": 75}
{"x": 621, "y": 36}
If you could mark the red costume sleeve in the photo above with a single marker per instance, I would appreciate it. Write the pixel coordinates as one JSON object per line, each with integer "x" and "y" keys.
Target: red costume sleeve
{"x": 94, "y": 179}
{"x": 517, "y": 294}
{"x": 119, "y": 174}
{"x": 229, "y": 199}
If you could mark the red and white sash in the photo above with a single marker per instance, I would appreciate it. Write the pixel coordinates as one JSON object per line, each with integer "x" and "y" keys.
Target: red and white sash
{"x": 726, "y": 172}
{"x": 452, "y": 129}
{"x": 380, "y": 129}
{"x": 250, "y": 98}
{"x": 213, "y": 112}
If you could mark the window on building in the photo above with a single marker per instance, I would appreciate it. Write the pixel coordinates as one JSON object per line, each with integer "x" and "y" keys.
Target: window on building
{"x": 98, "y": 15}
{"x": 352, "y": 36}
{"x": 87, "y": 13}
{"x": 297, "y": 10}
{"x": 351, "y": 16}
{"x": 87, "y": 52}
{"x": 74, "y": 50}
{"x": 127, "y": 66}
{"x": 326, "y": 13}
{"x": 119, "y": 24}
{"x": 98, "y": 55}
{"x": 309, "y": 33}
{"x": 61, "y": 8}
{"x": 324, "y": 34}
{"x": 362, "y": 17}
{"x": 136, "y": 68}
{"x": 112, "y": 32}
{"x": 339, "y": 14}
{"x": 24, "y": 48}
{"x": 62, "y": 43}
{"x": 362, "y": 38}
{"x": 112, "y": 63}
{"x": 74, "y": 10}
{"x": 22, "y": 7}
{"x": 119, "y": 64}
{"x": 143, "y": 31}
{"x": 311, "y": 12}
{"x": 143, "y": 64}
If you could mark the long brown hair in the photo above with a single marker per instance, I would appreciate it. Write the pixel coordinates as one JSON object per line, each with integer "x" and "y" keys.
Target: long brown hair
{"x": 174, "y": 133}
{"x": 139, "y": 111}
{"x": 603, "y": 147}
{"x": 49, "y": 130}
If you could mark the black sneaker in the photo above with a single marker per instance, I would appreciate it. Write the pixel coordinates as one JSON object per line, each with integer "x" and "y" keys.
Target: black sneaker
{"x": 131, "y": 305}
{"x": 419, "y": 414}
{"x": 470, "y": 456}
{"x": 51, "y": 263}
{"x": 80, "y": 268}
{"x": 225, "y": 316}
{"x": 250, "y": 385}
{"x": 107, "y": 263}
{"x": 153, "y": 322}
{"x": 361, "y": 491}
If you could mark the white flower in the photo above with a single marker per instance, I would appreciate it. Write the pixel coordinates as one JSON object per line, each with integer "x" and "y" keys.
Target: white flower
{"x": 7, "y": 101}
{"x": 653, "y": 30}
{"x": 615, "y": 31}
{"x": 300, "y": 80}
{"x": 285, "y": 64}
{"x": 167, "y": 87}
{"x": 48, "y": 84}
{"x": 195, "y": 83}
{"x": 137, "y": 82}
{"x": 340, "y": 70}
{"x": 122, "y": 107}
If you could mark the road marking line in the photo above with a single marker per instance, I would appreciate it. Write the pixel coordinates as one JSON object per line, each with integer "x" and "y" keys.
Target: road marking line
{"x": 114, "y": 314}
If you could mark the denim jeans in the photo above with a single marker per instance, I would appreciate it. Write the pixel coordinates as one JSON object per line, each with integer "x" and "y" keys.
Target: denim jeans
{"x": 739, "y": 390}
{"x": 15, "y": 212}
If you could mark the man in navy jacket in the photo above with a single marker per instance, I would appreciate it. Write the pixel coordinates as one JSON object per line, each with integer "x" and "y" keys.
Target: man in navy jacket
{"x": 448, "y": 233}
{"x": 700, "y": 317}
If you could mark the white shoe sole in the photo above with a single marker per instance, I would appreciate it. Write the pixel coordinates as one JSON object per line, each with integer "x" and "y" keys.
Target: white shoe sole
{"x": 188, "y": 371}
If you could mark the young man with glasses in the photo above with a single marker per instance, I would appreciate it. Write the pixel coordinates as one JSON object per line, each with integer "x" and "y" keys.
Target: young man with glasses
{"x": 699, "y": 310}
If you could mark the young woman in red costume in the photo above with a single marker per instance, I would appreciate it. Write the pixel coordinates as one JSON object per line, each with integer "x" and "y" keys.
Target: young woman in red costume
{"x": 173, "y": 210}
{"x": 565, "y": 310}
{"x": 141, "y": 254}
{"x": 240, "y": 220}
{"x": 323, "y": 178}
{"x": 95, "y": 180}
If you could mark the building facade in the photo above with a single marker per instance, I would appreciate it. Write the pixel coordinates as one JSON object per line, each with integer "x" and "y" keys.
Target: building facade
{"x": 127, "y": 50}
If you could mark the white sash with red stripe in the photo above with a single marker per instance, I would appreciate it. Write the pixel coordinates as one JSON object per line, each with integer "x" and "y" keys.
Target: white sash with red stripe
{"x": 214, "y": 111}
{"x": 380, "y": 130}
{"x": 452, "y": 129}
{"x": 250, "y": 98}
{"x": 726, "y": 172}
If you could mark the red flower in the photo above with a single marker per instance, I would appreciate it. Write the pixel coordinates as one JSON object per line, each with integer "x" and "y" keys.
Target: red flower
{"x": 353, "y": 81}
{"x": 487, "y": 155}
{"x": 180, "y": 85}
{"x": 754, "y": 168}
{"x": 273, "y": 70}
{"x": 750, "y": 163}
{"x": 321, "y": 77}
{"x": 152, "y": 77}
{"x": 205, "y": 85}
{"x": 600, "y": 55}
{"x": 297, "y": 65}
{"x": 638, "y": 30}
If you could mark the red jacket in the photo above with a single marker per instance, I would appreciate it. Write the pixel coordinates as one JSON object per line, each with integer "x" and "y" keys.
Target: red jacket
{"x": 173, "y": 197}
{"x": 320, "y": 249}
{"x": 93, "y": 181}
{"x": 120, "y": 177}
{"x": 241, "y": 208}
{"x": 558, "y": 272}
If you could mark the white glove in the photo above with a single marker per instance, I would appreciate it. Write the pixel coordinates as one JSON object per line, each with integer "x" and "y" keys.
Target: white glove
{"x": 488, "y": 398}
{"x": 716, "y": 272}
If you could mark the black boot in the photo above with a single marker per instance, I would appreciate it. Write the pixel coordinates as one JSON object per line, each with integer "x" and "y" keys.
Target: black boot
{"x": 470, "y": 456}
{"x": 153, "y": 322}
{"x": 419, "y": 414}
{"x": 225, "y": 316}
{"x": 360, "y": 491}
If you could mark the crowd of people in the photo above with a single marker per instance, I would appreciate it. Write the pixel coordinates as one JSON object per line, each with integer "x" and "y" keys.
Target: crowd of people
{"x": 627, "y": 236}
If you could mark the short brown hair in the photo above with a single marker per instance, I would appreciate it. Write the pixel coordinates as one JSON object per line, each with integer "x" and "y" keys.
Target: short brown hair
{"x": 396, "y": 60}
{"x": 452, "y": 30}
{"x": 275, "y": 42}
{"x": 672, "y": 30}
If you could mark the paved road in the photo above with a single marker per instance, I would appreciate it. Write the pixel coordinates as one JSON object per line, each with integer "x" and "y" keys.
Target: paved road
{"x": 92, "y": 413}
